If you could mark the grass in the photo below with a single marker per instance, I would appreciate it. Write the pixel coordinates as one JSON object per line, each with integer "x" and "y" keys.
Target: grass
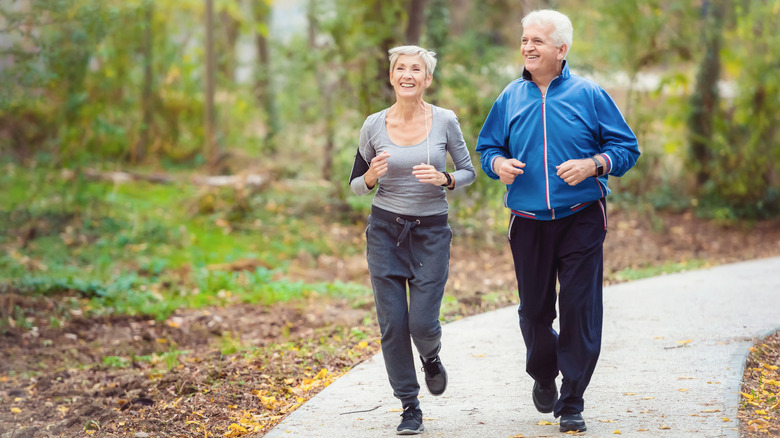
{"x": 142, "y": 248}
{"x": 630, "y": 274}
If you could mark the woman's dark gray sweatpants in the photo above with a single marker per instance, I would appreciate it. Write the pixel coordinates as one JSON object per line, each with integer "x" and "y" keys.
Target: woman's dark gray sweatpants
{"x": 415, "y": 252}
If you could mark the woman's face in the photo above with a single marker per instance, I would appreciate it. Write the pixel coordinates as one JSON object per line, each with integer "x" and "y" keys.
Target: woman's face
{"x": 408, "y": 77}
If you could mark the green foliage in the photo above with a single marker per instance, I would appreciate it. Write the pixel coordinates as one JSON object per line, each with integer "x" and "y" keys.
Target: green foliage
{"x": 80, "y": 85}
{"x": 87, "y": 79}
{"x": 745, "y": 159}
{"x": 115, "y": 362}
{"x": 138, "y": 248}
{"x": 635, "y": 34}
{"x": 230, "y": 344}
{"x": 630, "y": 274}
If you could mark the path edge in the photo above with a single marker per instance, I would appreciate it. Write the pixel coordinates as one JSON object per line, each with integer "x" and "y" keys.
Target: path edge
{"x": 733, "y": 388}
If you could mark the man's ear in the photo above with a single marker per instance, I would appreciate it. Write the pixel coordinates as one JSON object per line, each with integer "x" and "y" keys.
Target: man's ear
{"x": 562, "y": 51}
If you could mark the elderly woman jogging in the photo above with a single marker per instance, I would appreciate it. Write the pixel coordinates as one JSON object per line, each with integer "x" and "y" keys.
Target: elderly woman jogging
{"x": 403, "y": 152}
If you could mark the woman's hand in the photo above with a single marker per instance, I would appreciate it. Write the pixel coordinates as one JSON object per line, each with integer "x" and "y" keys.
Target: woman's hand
{"x": 376, "y": 169}
{"x": 425, "y": 173}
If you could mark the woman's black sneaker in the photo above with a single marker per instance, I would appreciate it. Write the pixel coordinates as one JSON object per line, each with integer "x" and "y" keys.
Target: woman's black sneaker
{"x": 411, "y": 421}
{"x": 435, "y": 375}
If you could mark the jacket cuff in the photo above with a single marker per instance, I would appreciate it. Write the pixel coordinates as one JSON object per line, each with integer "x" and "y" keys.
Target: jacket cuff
{"x": 608, "y": 167}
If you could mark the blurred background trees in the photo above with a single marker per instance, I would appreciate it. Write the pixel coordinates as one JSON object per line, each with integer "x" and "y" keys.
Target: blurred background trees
{"x": 116, "y": 84}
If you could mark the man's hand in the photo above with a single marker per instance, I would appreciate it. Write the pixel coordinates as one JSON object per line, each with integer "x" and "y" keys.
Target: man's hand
{"x": 507, "y": 169}
{"x": 574, "y": 172}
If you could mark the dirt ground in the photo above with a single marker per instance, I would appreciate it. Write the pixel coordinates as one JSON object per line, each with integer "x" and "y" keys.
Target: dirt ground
{"x": 759, "y": 413}
{"x": 238, "y": 370}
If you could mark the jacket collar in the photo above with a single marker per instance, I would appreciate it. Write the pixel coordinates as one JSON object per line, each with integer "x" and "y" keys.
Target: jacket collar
{"x": 564, "y": 72}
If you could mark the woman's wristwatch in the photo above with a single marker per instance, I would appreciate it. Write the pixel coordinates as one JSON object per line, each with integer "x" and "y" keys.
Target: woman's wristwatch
{"x": 449, "y": 179}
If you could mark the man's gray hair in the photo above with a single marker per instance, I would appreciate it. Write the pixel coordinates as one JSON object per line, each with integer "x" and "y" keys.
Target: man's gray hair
{"x": 428, "y": 57}
{"x": 562, "y": 28}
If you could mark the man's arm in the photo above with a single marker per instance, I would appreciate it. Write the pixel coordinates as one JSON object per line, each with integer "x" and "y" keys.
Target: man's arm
{"x": 619, "y": 146}
{"x": 491, "y": 143}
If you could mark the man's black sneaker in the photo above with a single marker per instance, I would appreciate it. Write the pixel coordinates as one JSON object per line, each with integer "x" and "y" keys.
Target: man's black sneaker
{"x": 545, "y": 396}
{"x": 411, "y": 421}
{"x": 435, "y": 375}
{"x": 572, "y": 422}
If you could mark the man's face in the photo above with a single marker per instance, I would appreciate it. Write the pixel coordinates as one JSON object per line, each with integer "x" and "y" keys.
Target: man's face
{"x": 541, "y": 56}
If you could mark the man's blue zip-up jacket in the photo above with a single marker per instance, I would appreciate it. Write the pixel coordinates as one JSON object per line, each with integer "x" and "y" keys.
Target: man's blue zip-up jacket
{"x": 576, "y": 119}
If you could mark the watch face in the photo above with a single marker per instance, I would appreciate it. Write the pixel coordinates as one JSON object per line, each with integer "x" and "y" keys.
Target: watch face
{"x": 599, "y": 166}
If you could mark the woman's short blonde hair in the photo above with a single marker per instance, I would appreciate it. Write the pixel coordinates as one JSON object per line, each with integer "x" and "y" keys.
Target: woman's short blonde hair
{"x": 428, "y": 57}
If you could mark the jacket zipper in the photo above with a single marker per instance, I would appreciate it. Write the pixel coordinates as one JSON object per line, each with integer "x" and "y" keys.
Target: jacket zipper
{"x": 546, "y": 167}
{"x": 544, "y": 129}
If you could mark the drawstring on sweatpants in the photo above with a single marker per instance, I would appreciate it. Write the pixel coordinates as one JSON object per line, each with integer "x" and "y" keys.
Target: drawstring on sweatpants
{"x": 408, "y": 225}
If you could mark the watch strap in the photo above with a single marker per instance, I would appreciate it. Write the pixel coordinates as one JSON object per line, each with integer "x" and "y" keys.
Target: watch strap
{"x": 449, "y": 179}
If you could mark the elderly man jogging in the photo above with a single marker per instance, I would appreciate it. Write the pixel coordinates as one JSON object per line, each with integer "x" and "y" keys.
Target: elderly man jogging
{"x": 554, "y": 138}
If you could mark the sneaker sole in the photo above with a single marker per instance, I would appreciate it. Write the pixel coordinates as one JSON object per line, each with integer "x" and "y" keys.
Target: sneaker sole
{"x": 437, "y": 393}
{"x": 410, "y": 431}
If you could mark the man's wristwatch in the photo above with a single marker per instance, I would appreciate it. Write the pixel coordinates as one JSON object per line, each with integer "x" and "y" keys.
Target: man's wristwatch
{"x": 449, "y": 179}
{"x": 599, "y": 166}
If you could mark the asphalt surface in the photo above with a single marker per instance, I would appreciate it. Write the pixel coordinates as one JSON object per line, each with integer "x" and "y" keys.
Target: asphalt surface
{"x": 671, "y": 364}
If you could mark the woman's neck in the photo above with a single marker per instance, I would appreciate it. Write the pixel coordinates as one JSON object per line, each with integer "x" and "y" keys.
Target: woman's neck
{"x": 408, "y": 109}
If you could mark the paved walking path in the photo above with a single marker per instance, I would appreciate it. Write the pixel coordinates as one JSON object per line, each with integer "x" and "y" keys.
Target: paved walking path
{"x": 671, "y": 365}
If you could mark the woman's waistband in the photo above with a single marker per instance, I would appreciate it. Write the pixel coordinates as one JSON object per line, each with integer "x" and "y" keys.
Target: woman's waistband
{"x": 438, "y": 220}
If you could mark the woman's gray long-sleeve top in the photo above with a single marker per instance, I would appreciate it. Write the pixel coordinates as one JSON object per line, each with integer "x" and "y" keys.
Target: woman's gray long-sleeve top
{"x": 399, "y": 191}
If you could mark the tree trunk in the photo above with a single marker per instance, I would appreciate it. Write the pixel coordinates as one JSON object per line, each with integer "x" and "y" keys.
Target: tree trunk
{"x": 226, "y": 41}
{"x": 326, "y": 90}
{"x": 704, "y": 101}
{"x": 459, "y": 13}
{"x": 142, "y": 145}
{"x": 263, "y": 87}
{"x": 437, "y": 19}
{"x": 387, "y": 41}
{"x": 210, "y": 119}
{"x": 416, "y": 13}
